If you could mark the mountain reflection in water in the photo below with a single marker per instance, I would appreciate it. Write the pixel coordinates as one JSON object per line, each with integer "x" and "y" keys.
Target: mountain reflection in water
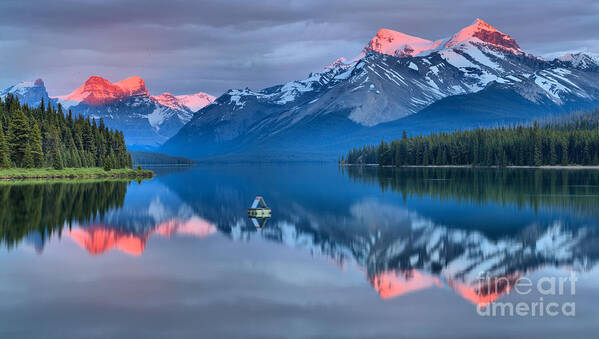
{"x": 407, "y": 229}
{"x": 97, "y": 239}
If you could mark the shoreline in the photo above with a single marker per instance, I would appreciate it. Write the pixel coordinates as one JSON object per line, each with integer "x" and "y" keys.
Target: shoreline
{"x": 16, "y": 174}
{"x": 554, "y": 167}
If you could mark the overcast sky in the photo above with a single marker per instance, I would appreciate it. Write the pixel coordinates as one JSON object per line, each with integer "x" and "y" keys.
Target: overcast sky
{"x": 213, "y": 45}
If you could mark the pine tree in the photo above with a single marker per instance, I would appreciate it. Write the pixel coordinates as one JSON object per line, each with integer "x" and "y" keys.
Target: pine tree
{"x": 107, "y": 163}
{"x": 564, "y": 152}
{"x": 36, "y": 146}
{"x": 19, "y": 138}
{"x": 58, "y": 163}
{"x": 4, "y": 159}
{"x": 552, "y": 152}
{"x": 28, "y": 158}
{"x": 88, "y": 138}
{"x": 537, "y": 155}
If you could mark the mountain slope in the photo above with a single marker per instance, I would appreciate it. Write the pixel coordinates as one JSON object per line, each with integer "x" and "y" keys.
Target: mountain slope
{"x": 399, "y": 82}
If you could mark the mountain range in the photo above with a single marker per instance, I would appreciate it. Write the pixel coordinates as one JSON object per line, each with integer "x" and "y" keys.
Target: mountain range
{"x": 146, "y": 120}
{"x": 477, "y": 77}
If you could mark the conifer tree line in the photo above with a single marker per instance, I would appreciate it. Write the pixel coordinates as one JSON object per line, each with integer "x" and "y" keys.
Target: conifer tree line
{"x": 566, "y": 142}
{"x": 46, "y": 137}
{"x": 46, "y": 209}
{"x": 503, "y": 186}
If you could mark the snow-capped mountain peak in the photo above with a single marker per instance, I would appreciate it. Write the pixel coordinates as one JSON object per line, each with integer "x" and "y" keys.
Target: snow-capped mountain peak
{"x": 195, "y": 101}
{"x": 335, "y": 63}
{"x": 387, "y": 41}
{"x": 28, "y": 92}
{"x": 168, "y": 100}
{"x": 581, "y": 60}
{"x": 399, "y": 44}
{"x": 486, "y": 33}
{"x": 191, "y": 102}
{"x": 24, "y": 86}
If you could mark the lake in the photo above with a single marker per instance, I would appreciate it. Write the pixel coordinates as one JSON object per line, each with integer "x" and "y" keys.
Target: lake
{"x": 353, "y": 252}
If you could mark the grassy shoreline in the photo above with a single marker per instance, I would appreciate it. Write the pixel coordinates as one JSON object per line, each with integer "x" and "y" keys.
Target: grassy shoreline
{"x": 72, "y": 173}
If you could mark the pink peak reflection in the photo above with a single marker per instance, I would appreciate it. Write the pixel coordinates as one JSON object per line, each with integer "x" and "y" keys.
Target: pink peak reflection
{"x": 99, "y": 239}
{"x": 393, "y": 284}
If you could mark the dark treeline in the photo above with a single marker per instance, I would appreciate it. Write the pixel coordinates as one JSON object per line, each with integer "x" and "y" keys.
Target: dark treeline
{"x": 44, "y": 209}
{"x": 567, "y": 142}
{"x": 46, "y": 137}
{"x": 155, "y": 158}
{"x": 533, "y": 188}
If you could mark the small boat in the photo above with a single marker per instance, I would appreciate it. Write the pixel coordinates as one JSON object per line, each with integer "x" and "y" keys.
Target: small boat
{"x": 259, "y": 212}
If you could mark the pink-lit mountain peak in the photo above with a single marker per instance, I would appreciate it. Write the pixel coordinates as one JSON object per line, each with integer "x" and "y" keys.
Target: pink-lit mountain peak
{"x": 486, "y": 33}
{"x": 98, "y": 91}
{"x": 133, "y": 85}
{"x": 391, "y": 36}
{"x": 95, "y": 91}
{"x": 399, "y": 44}
{"x": 192, "y": 102}
{"x": 195, "y": 101}
{"x": 391, "y": 42}
{"x": 166, "y": 97}
{"x": 168, "y": 100}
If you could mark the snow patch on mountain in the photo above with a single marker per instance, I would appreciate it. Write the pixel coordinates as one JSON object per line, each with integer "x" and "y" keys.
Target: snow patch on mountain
{"x": 156, "y": 118}
{"x": 550, "y": 85}
{"x": 292, "y": 90}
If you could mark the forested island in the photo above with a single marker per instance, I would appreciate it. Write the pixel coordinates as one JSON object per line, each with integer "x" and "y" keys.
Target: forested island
{"x": 45, "y": 142}
{"x": 570, "y": 141}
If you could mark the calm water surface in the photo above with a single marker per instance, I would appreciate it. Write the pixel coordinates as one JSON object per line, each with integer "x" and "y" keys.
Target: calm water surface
{"x": 348, "y": 253}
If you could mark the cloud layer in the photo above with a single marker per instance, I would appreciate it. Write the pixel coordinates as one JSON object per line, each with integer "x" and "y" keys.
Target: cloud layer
{"x": 212, "y": 45}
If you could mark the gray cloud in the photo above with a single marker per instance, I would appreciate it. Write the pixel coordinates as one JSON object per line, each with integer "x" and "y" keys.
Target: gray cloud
{"x": 212, "y": 45}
